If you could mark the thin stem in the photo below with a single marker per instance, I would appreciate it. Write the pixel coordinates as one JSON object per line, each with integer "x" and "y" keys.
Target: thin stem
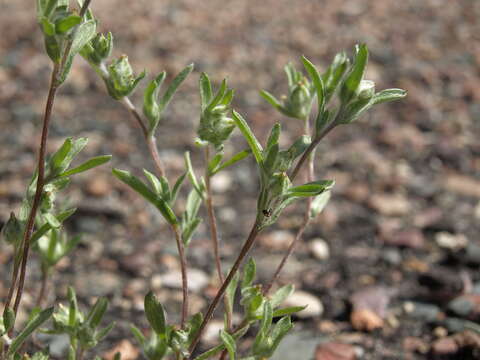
{"x": 310, "y": 148}
{"x": 68, "y": 46}
{"x": 79, "y": 353}
{"x": 38, "y": 192}
{"x": 150, "y": 139}
{"x": 211, "y": 216}
{"x": 43, "y": 288}
{"x": 213, "y": 305}
{"x": 214, "y": 233}
{"x": 183, "y": 266}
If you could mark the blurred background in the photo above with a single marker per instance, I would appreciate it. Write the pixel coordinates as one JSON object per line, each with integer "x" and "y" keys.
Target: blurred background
{"x": 400, "y": 234}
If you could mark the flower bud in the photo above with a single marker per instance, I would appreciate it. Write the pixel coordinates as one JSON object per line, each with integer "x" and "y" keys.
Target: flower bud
{"x": 121, "y": 81}
{"x": 366, "y": 89}
{"x": 98, "y": 49}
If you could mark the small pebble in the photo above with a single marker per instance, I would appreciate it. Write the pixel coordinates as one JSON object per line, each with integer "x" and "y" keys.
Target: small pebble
{"x": 450, "y": 241}
{"x": 319, "y": 248}
{"x": 301, "y": 298}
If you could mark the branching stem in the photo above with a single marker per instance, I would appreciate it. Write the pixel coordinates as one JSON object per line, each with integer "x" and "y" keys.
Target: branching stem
{"x": 25, "y": 245}
{"x": 238, "y": 262}
{"x": 183, "y": 266}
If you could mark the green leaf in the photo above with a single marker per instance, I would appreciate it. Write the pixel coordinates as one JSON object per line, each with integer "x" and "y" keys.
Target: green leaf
{"x": 218, "y": 96}
{"x": 176, "y": 187}
{"x": 148, "y": 194}
{"x": 388, "y": 95}
{"x": 267, "y": 317}
{"x": 229, "y": 343}
{"x": 272, "y": 100}
{"x": 214, "y": 163}
{"x": 288, "y": 310}
{"x": 281, "y": 294}
{"x": 228, "y": 97}
{"x": 319, "y": 203}
{"x": 156, "y": 185}
{"x": 230, "y": 292}
{"x": 249, "y": 273}
{"x": 270, "y": 161}
{"x": 96, "y": 313}
{"x": 151, "y": 108}
{"x": 274, "y": 136}
{"x": 8, "y": 320}
{"x": 194, "y": 325}
{"x": 67, "y": 23}
{"x": 31, "y": 326}
{"x": 205, "y": 90}
{"x": 87, "y": 165}
{"x": 137, "y": 334}
{"x": 334, "y": 74}
{"x": 282, "y": 327}
{"x": 249, "y": 136}
{"x": 85, "y": 32}
{"x": 155, "y": 314}
{"x": 209, "y": 354}
{"x": 176, "y": 82}
{"x": 52, "y": 220}
{"x": 233, "y": 160}
{"x": 73, "y": 307}
{"x": 311, "y": 188}
{"x": 100, "y": 335}
{"x": 59, "y": 160}
{"x": 317, "y": 82}
{"x": 47, "y": 227}
{"x": 191, "y": 173}
{"x": 48, "y": 27}
{"x": 356, "y": 73}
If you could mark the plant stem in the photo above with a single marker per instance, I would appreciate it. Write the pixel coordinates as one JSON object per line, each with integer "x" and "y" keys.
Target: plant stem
{"x": 25, "y": 247}
{"x": 310, "y": 149}
{"x": 213, "y": 305}
{"x": 43, "y": 288}
{"x": 211, "y": 216}
{"x": 306, "y": 218}
{"x": 152, "y": 147}
{"x": 214, "y": 232}
{"x": 149, "y": 139}
{"x": 183, "y": 265}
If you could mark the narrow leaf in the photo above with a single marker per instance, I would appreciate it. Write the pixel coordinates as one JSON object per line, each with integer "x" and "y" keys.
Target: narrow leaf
{"x": 288, "y": 310}
{"x": 319, "y": 203}
{"x": 272, "y": 100}
{"x": 317, "y": 82}
{"x": 96, "y": 314}
{"x": 281, "y": 294}
{"x": 155, "y": 313}
{"x": 31, "y": 326}
{"x": 249, "y": 273}
{"x": 229, "y": 343}
{"x": 176, "y": 82}
{"x": 249, "y": 136}
{"x": 46, "y": 227}
{"x": 87, "y": 165}
{"x": 388, "y": 95}
{"x": 205, "y": 90}
{"x": 67, "y": 23}
{"x": 148, "y": 194}
{"x": 233, "y": 160}
{"x": 356, "y": 73}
